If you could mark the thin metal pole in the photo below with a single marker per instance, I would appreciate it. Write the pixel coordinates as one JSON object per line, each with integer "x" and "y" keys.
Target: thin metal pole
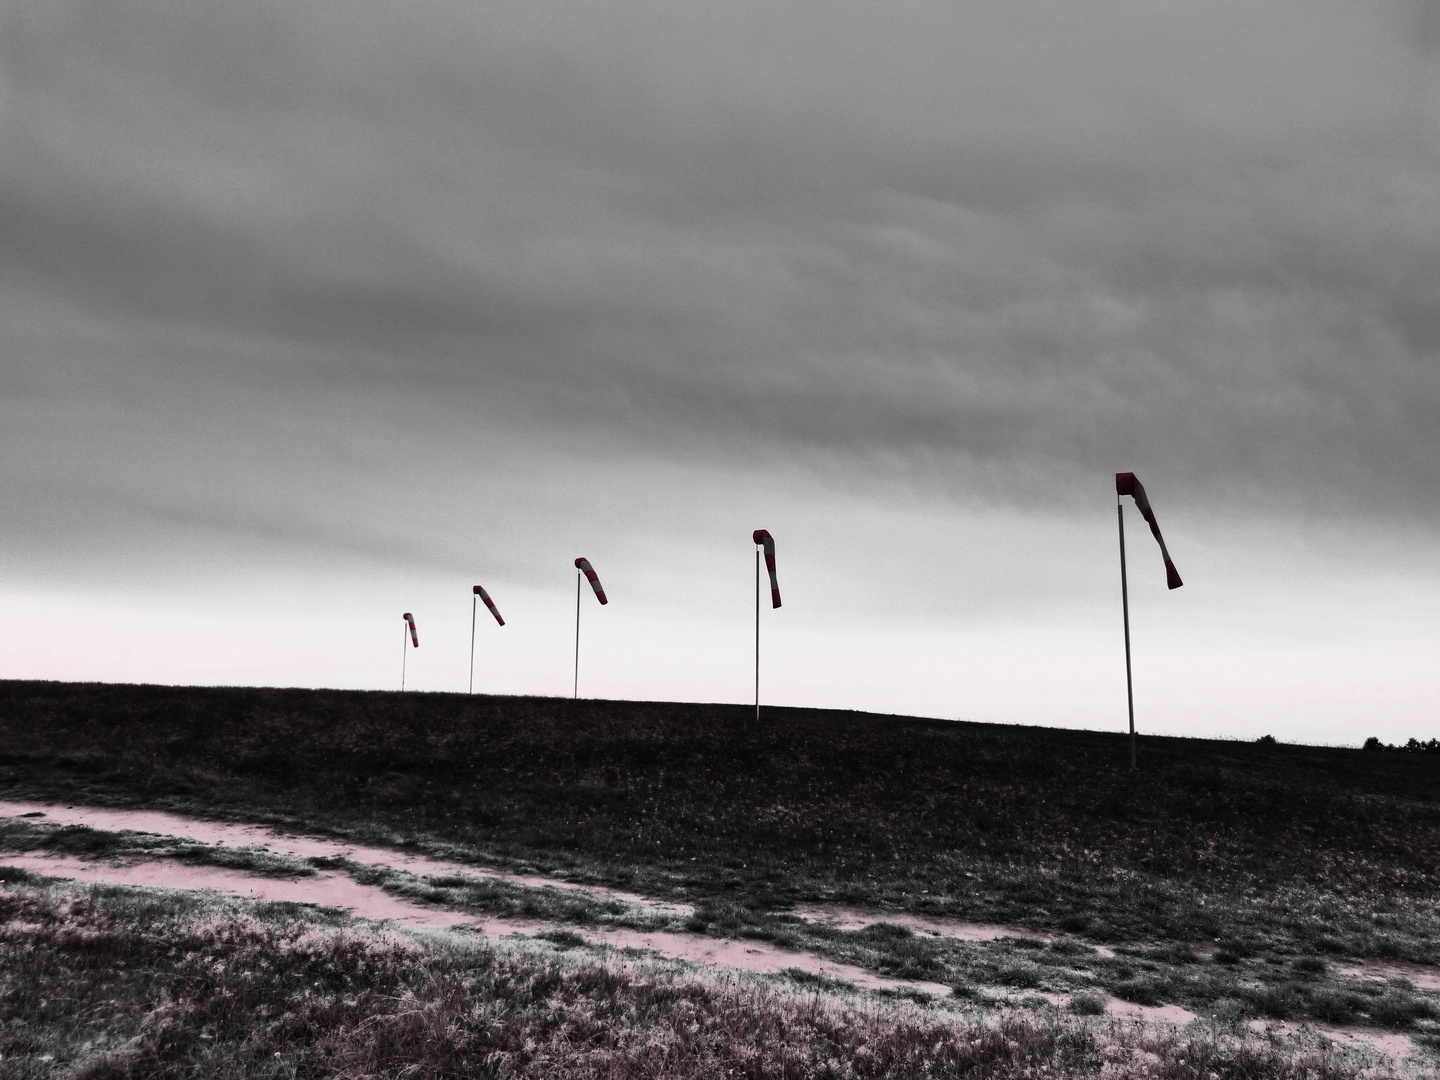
{"x": 404, "y": 653}
{"x": 577, "y": 635}
{"x": 757, "y": 635}
{"x": 1125, "y": 608}
{"x": 474, "y": 603}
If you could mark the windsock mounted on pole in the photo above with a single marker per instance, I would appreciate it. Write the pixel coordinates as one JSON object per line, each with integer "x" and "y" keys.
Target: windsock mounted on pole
{"x": 582, "y": 566}
{"x": 483, "y": 595}
{"x": 410, "y": 625}
{"x": 479, "y": 593}
{"x": 762, "y": 538}
{"x": 1126, "y": 483}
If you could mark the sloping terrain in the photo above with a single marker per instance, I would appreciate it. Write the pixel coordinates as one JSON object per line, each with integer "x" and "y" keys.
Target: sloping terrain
{"x": 1240, "y": 882}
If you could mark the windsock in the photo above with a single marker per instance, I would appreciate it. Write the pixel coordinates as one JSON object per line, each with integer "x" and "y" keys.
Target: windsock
{"x": 763, "y": 537}
{"x": 583, "y": 565}
{"x": 480, "y": 592}
{"x": 414, "y": 637}
{"x": 1127, "y": 484}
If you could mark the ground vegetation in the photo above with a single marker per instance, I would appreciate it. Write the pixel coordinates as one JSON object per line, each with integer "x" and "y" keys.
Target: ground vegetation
{"x": 118, "y": 984}
{"x": 1235, "y": 878}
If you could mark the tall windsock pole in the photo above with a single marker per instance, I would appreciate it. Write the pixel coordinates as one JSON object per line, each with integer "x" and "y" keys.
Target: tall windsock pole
{"x": 575, "y": 694}
{"x": 582, "y": 566}
{"x": 1128, "y": 484}
{"x": 479, "y": 594}
{"x": 762, "y": 538}
{"x": 1125, "y": 611}
{"x": 410, "y": 629}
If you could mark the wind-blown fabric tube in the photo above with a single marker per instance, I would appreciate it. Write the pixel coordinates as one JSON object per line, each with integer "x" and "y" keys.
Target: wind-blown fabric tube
{"x": 414, "y": 637}
{"x": 1127, "y": 484}
{"x": 480, "y": 592}
{"x": 583, "y": 565}
{"x": 762, "y": 536}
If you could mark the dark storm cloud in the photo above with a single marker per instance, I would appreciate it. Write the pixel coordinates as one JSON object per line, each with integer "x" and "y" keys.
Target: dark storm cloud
{"x": 1013, "y": 243}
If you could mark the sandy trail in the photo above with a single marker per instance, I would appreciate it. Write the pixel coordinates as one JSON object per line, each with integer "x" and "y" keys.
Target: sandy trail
{"x": 325, "y": 889}
{"x": 234, "y": 834}
{"x": 852, "y": 917}
{"x": 337, "y": 890}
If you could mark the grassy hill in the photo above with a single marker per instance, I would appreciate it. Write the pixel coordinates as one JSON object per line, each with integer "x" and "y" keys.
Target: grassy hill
{"x": 1324, "y": 849}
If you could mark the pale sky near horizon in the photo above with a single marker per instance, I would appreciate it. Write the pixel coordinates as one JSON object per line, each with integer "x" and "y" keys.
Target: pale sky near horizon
{"x": 312, "y": 313}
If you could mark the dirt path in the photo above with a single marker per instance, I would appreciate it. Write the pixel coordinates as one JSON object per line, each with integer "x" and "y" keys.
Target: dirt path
{"x": 851, "y": 917}
{"x": 332, "y": 889}
{"x": 235, "y": 834}
{"x": 329, "y": 888}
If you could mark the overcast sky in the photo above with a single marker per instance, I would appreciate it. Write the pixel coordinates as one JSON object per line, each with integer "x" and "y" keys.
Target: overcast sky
{"x": 315, "y": 312}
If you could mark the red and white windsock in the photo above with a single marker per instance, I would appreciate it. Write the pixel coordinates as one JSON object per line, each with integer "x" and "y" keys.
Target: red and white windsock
{"x": 1127, "y": 484}
{"x": 414, "y": 637}
{"x": 763, "y": 537}
{"x": 485, "y": 596}
{"x": 583, "y": 565}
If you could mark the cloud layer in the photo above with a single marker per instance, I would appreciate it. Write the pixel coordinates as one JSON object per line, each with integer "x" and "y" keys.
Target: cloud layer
{"x": 1026, "y": 237}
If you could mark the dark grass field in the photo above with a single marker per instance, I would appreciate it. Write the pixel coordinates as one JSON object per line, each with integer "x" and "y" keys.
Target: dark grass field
{"x": 1230, "y": 877}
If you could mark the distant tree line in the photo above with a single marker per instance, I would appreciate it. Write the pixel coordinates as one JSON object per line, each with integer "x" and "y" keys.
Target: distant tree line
{"x": 1413, "y": 746}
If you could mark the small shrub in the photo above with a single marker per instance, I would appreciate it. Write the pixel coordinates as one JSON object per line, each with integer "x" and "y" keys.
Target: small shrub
{"x": 563, "y": 939}
{"x": 1277, "y": 1002}
{"x": 1336, "y": 1006}
{"x": 1023, "y": 978}
{"x": 1265, "y": 740}
{"x": 1399, "y": 1009}
{"x": 1310, "y": 965}
{"x": 1232, "y": 950}
{"x": 1087, "y": 1004}
{"x": 1181, "y": 953}
{"x": 1387, "y": 946}
{"x": 1142, "y": 991}
{"x": 884, "y": 931}
{"x": 1021, "y": 942}
{"x": 810, "y": 978}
